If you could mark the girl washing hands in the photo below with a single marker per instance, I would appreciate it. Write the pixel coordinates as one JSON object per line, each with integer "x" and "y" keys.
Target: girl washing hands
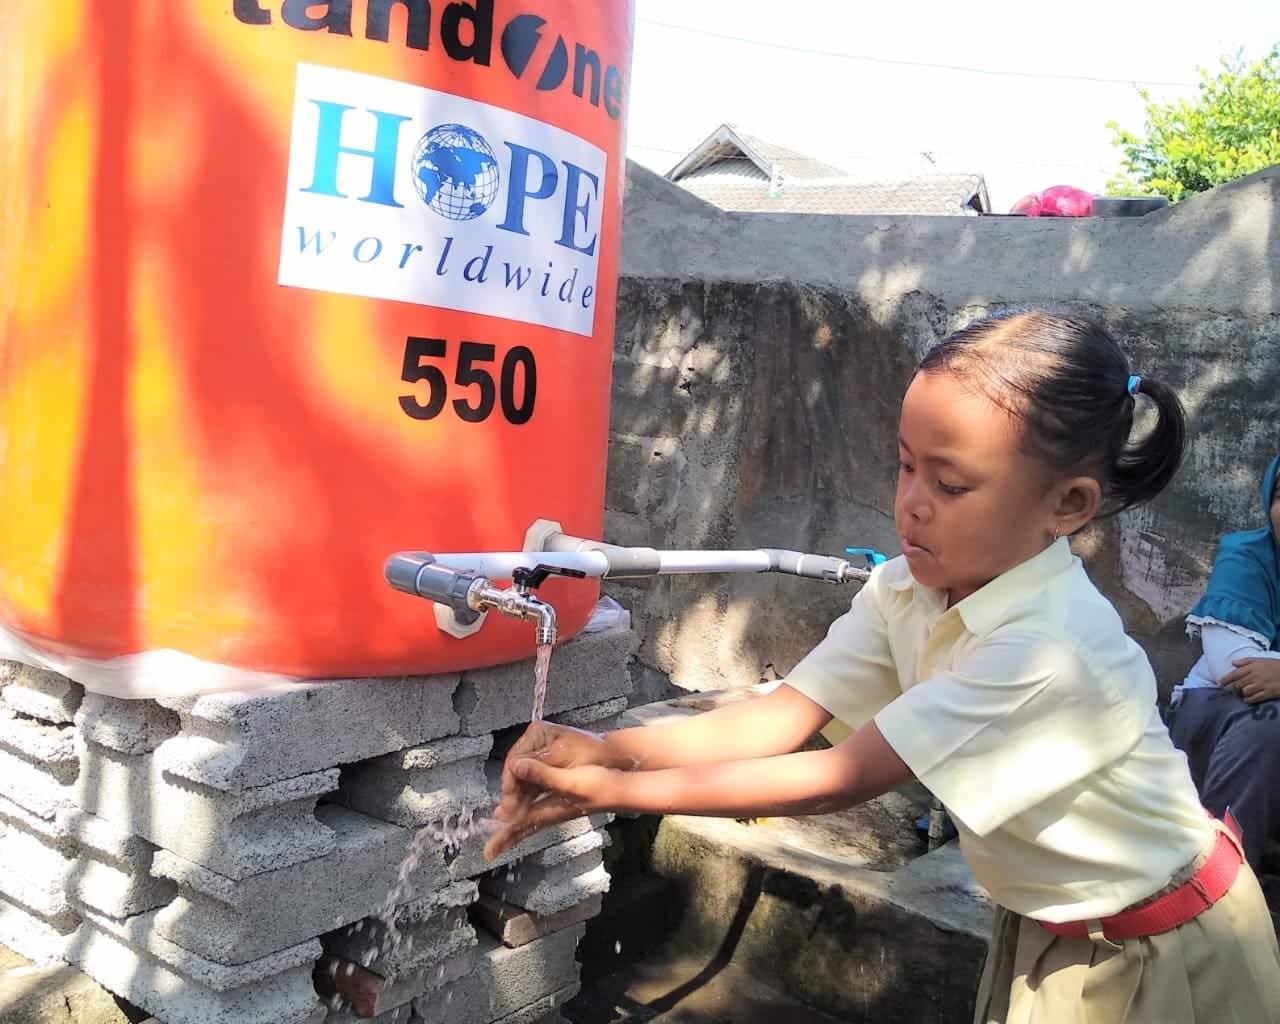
{"x": 984, "y": 663}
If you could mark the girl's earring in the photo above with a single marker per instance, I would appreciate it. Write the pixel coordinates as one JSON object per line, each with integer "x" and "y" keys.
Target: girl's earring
{"x": 1056, "y": 533}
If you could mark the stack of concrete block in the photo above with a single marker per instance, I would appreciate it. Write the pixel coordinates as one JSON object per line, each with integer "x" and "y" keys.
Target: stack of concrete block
{"x": 232, "y": 857}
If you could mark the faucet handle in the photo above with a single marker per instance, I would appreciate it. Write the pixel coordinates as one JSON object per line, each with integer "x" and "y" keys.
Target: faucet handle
{"x": 532, "y": 579}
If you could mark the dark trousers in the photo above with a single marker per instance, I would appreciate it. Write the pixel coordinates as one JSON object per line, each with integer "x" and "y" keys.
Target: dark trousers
{"x": 1233, "y": 749}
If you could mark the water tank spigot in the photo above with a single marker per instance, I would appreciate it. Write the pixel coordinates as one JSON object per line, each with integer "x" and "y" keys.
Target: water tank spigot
{"x": 469, "y": 595}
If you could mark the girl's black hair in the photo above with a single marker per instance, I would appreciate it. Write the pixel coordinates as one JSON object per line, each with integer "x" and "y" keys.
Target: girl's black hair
{"x": 1067, "y": 381}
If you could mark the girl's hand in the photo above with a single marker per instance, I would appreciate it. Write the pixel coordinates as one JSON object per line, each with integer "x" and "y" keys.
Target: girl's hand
{"x": 556, "y": 745}
{"x": 558, "y": 794}
{"x": 1254, "y": 679}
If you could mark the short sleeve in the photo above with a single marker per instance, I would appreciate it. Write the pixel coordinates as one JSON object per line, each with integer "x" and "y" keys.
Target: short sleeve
{"x": 1240, "y": 592}
{"x": 851, "y": 672}
{"x": 1017, "y": 720}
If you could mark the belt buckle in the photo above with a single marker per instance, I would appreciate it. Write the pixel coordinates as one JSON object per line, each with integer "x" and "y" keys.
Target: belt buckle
{"x": 1098, "y": 936}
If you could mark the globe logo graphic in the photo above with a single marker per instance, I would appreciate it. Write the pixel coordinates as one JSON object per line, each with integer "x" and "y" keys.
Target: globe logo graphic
{"x": 455, "y": 171}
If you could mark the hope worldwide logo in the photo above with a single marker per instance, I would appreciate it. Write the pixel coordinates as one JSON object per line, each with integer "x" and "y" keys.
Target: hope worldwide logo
{"x": 456, "y": 172}
{"x": 399, "y": 192}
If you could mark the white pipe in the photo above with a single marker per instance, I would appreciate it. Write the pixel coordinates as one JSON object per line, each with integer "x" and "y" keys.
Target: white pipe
{"x": 713, "y": 561}
{"x": 499, "y": 565}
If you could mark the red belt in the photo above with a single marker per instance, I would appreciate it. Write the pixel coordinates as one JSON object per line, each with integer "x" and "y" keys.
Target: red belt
{"x": 1175, "y": 908}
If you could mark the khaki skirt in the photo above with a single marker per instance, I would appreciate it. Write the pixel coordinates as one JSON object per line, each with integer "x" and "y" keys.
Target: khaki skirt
{"x": 1221, "y": 967}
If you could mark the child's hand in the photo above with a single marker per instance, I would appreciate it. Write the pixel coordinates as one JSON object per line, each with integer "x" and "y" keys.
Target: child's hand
{"x": 556, "y": 745}
{"x": 553, "y": 795}
{"x": 542, "y": 743}
{"x": 1254, "y": 679}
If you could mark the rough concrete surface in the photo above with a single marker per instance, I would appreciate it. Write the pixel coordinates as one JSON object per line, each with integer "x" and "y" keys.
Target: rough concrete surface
{"x": 237, "y": 741}
{"x": 129, "y": 726}
{"x": 288, "y": 998}
{"x": 507, "y": 982}
{"x": 899, "y": 945}
{"x": 421, "y": 785}
{"x": 549, "y": 890}
{"x": 236, "y": 834}
{"x": 40, "y": 693}
{"x": 232, "y": 920}
{"x": 751, "y": 347}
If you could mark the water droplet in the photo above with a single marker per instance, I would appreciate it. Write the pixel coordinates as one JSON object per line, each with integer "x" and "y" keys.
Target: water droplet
{"x": 617, "y": 946}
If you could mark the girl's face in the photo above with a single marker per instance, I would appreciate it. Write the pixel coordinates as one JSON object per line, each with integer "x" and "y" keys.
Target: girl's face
{"x": 970, "y": 503}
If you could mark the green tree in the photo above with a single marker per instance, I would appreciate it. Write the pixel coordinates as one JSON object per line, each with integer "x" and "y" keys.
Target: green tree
{"x": 1231, "y": 128}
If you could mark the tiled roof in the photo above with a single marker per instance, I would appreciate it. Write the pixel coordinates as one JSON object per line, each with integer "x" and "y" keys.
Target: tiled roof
{"x": 741, "y": 172}
{"x": 937, "y": 194}
{"x": 728, "y": 142}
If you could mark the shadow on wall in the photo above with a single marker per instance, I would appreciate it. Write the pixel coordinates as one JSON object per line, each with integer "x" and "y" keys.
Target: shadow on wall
{"x": 760, "y": 360}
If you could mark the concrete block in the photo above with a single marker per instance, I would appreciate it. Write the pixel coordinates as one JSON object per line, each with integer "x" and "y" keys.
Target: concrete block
{"x": 116, "y": 891}
{"x": 548, "y": 891}
{"x": 380, "y": 998}
{"x": 35, "y": 875}
{"x": 288, "y": 997}
{"x": 235, "y": 834}
{"x": 237, "y": 741}
{"x": 516, "y": 926}
{"x": 29, "y": 785}
{"x": 129, "y": 726}
{"x": 139, "y": 932}
{"x": 545, "y": 1010}
{"x": 106, "y": 868}
{"x": 40, "y": 693}
{"x": 424, "y": 932}
{"x": 507, "y": 982}
{"x": 569, "y": 850}
{"x": 589, "y": 669}
{"x": 396, "y": 1015}
{"x": 51, "y": 746}
{"x": 232, "y": 920}
{"x": 32, "y": 936}
{"x": 421, "y": 785}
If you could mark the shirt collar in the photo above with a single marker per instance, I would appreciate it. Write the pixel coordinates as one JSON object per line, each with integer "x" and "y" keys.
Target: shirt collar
{"x": 983, "y": 610}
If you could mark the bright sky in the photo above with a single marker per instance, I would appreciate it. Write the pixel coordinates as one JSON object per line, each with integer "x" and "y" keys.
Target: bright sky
{"x": 1023, "y": 131}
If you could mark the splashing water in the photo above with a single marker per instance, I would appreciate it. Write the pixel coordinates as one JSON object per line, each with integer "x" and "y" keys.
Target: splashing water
{"x": 449, "y": 833}
{"x": 541, "y": 667}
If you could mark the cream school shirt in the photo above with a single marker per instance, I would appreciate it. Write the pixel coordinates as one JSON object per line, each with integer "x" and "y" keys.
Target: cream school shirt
{"x": 1027, "y": 710}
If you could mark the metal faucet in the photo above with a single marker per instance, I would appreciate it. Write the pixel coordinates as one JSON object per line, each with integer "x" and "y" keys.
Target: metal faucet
{"x": 470, "y": 595}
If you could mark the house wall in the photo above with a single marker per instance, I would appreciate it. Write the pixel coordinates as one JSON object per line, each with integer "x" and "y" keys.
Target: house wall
{"x": 760, "y": 359}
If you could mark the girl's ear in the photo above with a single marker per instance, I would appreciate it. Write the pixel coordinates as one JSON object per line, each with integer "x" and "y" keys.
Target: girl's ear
{"x": 1076, "y": 501}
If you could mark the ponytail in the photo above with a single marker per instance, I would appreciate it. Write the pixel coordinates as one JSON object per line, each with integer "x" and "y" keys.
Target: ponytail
{"x": 1145, "y": 467}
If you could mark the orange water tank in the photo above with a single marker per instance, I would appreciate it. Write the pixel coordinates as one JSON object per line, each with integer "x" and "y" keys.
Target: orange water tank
{"x": 287, "y": 286}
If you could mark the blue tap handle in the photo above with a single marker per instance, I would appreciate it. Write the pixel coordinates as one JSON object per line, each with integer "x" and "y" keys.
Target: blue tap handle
{"x": 872, "y": 556}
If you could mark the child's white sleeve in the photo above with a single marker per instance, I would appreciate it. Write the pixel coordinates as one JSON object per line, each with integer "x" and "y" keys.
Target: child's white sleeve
{"x": 1019, "y": 719}
{"x": 1223, "y": 645}
{"x": 851, "y": 672}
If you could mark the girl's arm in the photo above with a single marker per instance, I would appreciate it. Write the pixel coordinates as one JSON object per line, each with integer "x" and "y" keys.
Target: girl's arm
{"x": 861, "y": 768}
{"x": 814, "y": 782}
{"x": 777, "y": 723}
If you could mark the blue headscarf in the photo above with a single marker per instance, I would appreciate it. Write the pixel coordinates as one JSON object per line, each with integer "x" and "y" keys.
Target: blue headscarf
{"x": 1244, "y": 588}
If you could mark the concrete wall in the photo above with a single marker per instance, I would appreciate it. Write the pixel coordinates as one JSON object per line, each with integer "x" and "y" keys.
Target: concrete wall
{"x": 760, "y": 360}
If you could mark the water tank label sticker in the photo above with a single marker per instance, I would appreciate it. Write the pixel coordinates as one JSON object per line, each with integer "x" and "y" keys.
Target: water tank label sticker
{"x": 405, "y": 193}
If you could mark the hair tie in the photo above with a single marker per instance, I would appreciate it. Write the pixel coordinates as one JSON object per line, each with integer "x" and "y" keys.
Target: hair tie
{"x": 1134, "y": 385}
